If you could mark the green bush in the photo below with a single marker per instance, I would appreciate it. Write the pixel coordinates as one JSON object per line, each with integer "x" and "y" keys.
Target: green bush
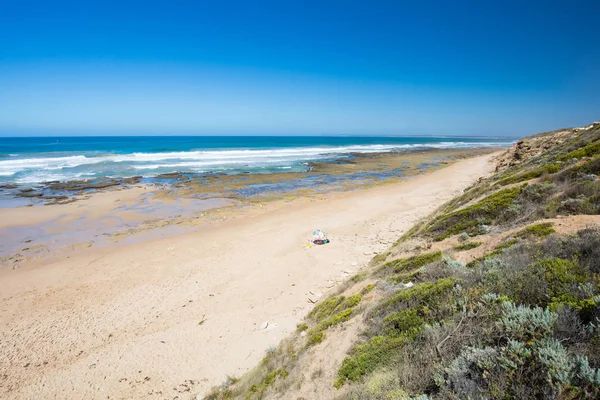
{"x": 331, "y": 312}
{"x": 268, "y": 380}
{"x": 407, "y": 323}
{"x": 531, "y": 174}
{"x": 332, "y": 306}
{"x": 467, "y": 246}
{"x": 497, "y": 250}
{"x": 428, "y": 292}
{"x": 487, "y": 211}
{"x": 524, "y": 323}
{"x": 540, "y": 230}
{"x": 366, "y": 358}
{"x": 410, "y": 263}
{"x": 587, "y": 151}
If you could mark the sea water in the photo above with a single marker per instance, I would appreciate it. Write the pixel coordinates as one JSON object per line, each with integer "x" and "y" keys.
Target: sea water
{"x": 31, "y": 160}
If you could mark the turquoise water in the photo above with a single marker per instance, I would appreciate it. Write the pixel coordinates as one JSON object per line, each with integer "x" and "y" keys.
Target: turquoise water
{"x": 33, "y": 160}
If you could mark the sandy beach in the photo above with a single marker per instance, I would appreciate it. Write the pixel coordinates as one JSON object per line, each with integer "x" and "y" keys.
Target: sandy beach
{"x": 171, "y": 317}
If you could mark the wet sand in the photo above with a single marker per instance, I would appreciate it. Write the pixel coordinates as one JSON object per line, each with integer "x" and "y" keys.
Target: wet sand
{"x": 170, "y": 317}
{"x": 134, "y": 210}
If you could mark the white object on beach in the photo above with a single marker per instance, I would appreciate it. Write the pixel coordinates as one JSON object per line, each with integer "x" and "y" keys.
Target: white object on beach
{"x": 409, "y": 285}
{"x": 272, "y": 326}
{"x": 264, "y": 325}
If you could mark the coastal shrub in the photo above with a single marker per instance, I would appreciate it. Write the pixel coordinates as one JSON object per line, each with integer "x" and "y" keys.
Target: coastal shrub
{"x": 531, "y": 174}
{"x": 466, "y": 374}
{"x": 585, "y": 244}
{"x": 587, "y": 170}
{"x": 331, "y": 312}
{"x": 538, "y": 369}
{"x": 315, "y": 337}
{"x": 552, "y": 282}
{"x": 428, "y": 292}
{"x": 585, "y": 380}
{"x": 467, "y": 246}
{"x": 405, "y": 277}
{"x": 268, "y": 380}
{"x": 435, "y": 271}
{"x": 407, "y": 323}
{"x": 579, "y": 198}
{"x": 385, "y": 385}
{"x": 523, "y": 323}
{"x": 410, "y": 263}
{"x": 540, "y": 230}
{"x": 554, "y": 358}
{"x": 271, "y": 374}
{"x": 367, "y": 289}
{"x": 463, "y": 237}
{"x": 396, "y": 322}
{"x": 380, "y": 258}
{"x": 454, "y": 264}
{"x": 365, "y": 358}
{"x": 526, "y": 361}
{"x": 497, "y": 250}
{"x": 538, "y": 192}
{"x": 487, "y": 211}
{"x": 470, "y": 194}
{"x": 333, "y": 305}
{"x": 590, "y": 150}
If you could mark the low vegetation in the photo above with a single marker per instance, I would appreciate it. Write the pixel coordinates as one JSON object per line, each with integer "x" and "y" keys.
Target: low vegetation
{"x": 519, "y": 321}
{"x": 468, "y": 246}
{"x": 540, "y": 230}
{"x": 331, "y": 312}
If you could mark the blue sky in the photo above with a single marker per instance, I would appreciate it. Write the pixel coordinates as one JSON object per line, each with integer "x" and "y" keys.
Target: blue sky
{"x": 297, "y": 67}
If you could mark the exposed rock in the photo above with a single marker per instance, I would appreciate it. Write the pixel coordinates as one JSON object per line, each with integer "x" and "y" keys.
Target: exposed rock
{"x": 29, "y": 193}
{"x": 132, "y": 181}
{"x": 85, "y": 184}
{"x": 533, "y": 146}
{"x": 175, "y": 175}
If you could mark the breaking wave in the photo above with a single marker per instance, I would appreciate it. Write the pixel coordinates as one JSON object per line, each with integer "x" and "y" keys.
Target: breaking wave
{"x": 31, "y": 168}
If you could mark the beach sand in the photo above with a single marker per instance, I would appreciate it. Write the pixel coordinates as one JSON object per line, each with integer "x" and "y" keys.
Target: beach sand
{"x": 171, "y": 317}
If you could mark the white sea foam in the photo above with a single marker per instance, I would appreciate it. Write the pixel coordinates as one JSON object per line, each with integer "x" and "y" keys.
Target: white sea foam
{"x": 36, "y": 169}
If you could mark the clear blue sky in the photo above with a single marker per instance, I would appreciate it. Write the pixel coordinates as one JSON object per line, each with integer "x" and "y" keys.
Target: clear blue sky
{"x": 297, "y": 67}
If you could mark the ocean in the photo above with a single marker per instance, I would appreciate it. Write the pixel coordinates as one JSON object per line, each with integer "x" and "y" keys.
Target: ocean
{"x": 31, "y": 160}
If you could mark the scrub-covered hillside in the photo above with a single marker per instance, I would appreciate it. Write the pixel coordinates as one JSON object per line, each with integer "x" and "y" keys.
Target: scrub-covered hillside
{"x": 494, "y": 296}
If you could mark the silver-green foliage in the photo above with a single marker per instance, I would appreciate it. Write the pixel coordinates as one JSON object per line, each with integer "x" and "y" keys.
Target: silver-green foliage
{"x": 525, "y": 323}
{"x": 555, "y": 361}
